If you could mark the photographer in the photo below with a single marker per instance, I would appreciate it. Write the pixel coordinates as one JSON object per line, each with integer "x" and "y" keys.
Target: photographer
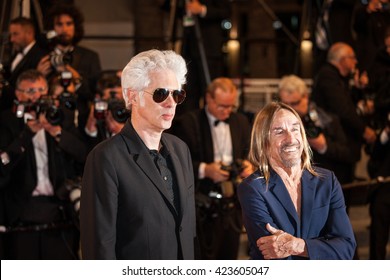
{"x": 38, "y": 155}
{"x": 323, "y": 130}
{"x": 108, "y": 113}
{"x": 218, "y": 139}
{"x": 66, "y": 55}
{"x": 25, "y": 54}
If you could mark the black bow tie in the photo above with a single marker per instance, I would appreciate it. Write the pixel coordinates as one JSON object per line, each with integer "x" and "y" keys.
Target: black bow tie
{"x": 216, "y": 122}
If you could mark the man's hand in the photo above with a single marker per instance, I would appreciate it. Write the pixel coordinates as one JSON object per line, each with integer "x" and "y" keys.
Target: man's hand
{"x": 280, "y": 245}
{"x": 113, "y": 126}
{"x": 53, "y": 130}
{"x": 248, "y": 169}
{"x": 369, "y": 135}
{"x": 214, "y": 172}
{"x": 194, "y": 7}
{"x": 44, "y": 65}
{"x": 318, "y": 144}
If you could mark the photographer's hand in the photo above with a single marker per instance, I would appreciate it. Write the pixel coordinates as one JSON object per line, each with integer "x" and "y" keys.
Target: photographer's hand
{"x": 53, "y": 130}
{"x": 90, "y": 127}
{"x": 34, "y": 125}
{"x": 247, "y": 170}
{"x": 318, "y": 144}
{"x": 112, "y": 125}
{"x": 44, "y": 65}
{"x": 214, "y": 172}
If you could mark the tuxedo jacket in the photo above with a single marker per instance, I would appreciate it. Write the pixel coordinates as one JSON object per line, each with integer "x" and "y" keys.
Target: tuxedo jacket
{"x": 20, "y": 173}
{"x": 194, "y": 129}
{"x": 29, "y": 61}
{"x": 125, "y": 208}
{"x": 323, "y": 225}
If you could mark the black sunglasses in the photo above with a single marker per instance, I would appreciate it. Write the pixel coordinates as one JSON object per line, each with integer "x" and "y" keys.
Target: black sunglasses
{"x": 160, "y": 94}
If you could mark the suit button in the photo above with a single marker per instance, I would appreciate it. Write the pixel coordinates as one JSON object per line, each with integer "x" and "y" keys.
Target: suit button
{"x": 180, "y": 228}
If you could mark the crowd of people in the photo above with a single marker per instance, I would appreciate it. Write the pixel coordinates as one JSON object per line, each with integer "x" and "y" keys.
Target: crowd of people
{"x": 98, "y": 165}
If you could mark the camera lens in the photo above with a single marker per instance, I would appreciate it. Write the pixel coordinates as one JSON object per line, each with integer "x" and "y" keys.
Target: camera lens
{"x": 54, "y": 115}
{"x": 60, "y": 59}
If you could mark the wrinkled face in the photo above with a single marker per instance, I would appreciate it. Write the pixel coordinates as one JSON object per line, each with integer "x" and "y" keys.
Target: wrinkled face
{"x": 65, "y": 28}
{"x": 349, "y": 61}
{"x": 222, "y": 104}
{"x": 286, "y": 143}
{"x": 296, "y": 100}
{"x": 31, "y": 90}
{"x": 18, "y": 37}
{"x": 153, "y": 116}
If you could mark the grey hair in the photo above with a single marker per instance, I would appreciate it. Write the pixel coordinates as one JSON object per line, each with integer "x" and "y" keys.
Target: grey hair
{"x": 261, "y": 141}
{"x": 337, "y": 51}
{"x": 136, "y": 74}
{"x": 292, "y": 83}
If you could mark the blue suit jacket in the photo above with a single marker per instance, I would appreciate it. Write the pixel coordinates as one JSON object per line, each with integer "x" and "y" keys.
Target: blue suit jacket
{"x": 324, "y": 223}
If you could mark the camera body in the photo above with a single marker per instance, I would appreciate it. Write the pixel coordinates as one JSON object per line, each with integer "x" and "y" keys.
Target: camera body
{"x": 116, "y": 106}
{"x": 60, "y": 59}
{"x": 234, "y": 170}
{"x": 309, "y": 123}
{"x": 45, "y": 105}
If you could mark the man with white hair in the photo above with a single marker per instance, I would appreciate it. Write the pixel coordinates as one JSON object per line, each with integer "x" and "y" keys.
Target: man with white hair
{"x": 137, "y": 198}
{"x": 333, "y": 93}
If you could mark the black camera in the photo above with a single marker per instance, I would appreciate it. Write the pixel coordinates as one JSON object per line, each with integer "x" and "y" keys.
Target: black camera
{"x": 309, "y": 123}
{"x": 234, "y": 170}
{"x": 116, "y": 106}
{"x": 44, "y": 105}
{"x": 60, "y": 59}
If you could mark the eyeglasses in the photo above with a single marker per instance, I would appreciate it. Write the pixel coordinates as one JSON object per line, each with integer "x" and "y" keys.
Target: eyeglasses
{"x": 223, "y": 107}
{"x": 32, "y": 91}
{"x": 161, "y": 94}
{"x": 294, "y": 103}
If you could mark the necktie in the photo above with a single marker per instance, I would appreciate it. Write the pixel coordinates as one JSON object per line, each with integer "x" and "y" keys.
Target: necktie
{"x": 216, "y": 122}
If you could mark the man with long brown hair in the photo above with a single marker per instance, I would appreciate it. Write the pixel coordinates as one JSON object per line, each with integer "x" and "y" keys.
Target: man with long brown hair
{"x": 291, "y": 209}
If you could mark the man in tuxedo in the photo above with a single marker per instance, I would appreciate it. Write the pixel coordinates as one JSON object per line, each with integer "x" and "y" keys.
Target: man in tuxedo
{"x": 218, "y": 139}
{"x": 38, "y": 156}
{"x": 137, "y": 198}
{"x": 26, "y": 55}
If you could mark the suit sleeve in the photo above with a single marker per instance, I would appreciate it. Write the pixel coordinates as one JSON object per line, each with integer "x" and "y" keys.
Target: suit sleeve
{"x": 336, "y": 240}
{"x": 98, "y": 208}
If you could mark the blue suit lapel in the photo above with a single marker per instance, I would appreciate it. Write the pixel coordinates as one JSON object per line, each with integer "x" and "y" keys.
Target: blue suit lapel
{"x": 308, "y": 184}
{"x": 279, "y": 190}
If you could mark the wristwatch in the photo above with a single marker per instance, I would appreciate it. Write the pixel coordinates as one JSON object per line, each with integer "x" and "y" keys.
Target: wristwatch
{"x": 4, "y": 158}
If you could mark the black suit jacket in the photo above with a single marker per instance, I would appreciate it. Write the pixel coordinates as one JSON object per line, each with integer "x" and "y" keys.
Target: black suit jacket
{"x": 338, "y": 156}
{"x": 21, "y": 172}
{"x": 194, "y": 129}
{"x": 125, "y": 208}
{"x": 331, "y": 92}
